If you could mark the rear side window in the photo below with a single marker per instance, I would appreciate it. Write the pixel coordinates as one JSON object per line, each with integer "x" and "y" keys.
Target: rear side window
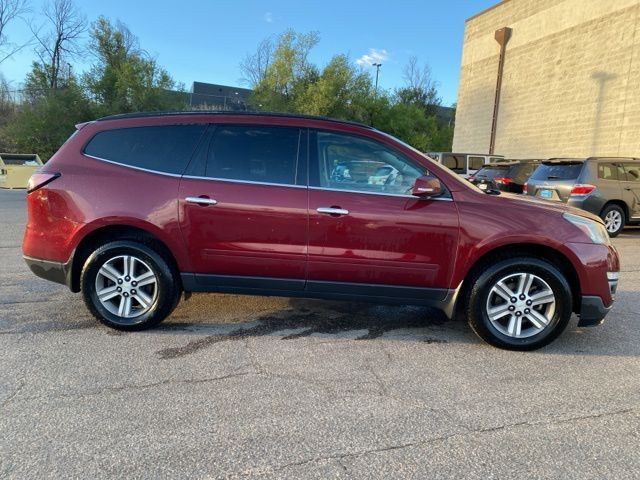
{"x": 607, "y": 171}
{"x": 558, "y": 171}
{"x": 633, "y": 172}
{"x": 476, "y": 163}
{"x": 455, "y": 163}
{"x": 162, "y": 148}
{"x": 262, "y": 154}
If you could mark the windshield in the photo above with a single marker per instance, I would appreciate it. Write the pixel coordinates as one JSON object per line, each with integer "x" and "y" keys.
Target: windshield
{"x": 558, "y": 171}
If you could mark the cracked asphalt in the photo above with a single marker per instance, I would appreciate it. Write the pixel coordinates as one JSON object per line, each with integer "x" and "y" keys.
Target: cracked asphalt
{"x": 235, "y": 386}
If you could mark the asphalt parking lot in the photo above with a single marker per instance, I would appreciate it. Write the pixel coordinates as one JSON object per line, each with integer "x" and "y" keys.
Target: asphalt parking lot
{"x": 234, "y": 386}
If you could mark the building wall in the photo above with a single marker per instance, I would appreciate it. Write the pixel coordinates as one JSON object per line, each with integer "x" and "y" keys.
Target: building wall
{"x": 571, "y": 83}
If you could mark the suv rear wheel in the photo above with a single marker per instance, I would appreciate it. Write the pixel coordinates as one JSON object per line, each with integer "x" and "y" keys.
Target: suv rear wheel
{"x": 519, "y": 303}
{"x": 128, "y": 285}
{"x": 614, "y": 219}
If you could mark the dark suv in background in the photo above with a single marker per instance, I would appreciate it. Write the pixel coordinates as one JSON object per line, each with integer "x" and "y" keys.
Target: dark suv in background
{"x": 607, "y": 187}
{"x": 507, "y": 176}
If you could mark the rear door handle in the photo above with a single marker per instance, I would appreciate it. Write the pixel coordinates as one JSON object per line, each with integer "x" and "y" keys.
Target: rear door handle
{"x": 201, "y": 200}
{"x": 333, "y": 210}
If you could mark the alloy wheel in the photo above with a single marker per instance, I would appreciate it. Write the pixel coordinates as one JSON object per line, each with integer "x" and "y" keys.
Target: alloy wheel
{"x": 613, "y": 221}
{"x": 126, "y": 286}
{"x": 521, "y": 305}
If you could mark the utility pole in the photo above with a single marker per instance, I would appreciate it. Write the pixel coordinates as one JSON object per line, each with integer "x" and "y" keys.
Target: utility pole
{"x": 377, "y": 65}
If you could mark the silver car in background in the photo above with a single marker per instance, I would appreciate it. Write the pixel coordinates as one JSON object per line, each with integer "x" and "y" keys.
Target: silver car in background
{"x": 606, "y": 186}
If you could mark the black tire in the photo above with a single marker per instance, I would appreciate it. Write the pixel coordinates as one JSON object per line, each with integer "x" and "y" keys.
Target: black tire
{"x": 166, "y": 291}
{"x": 482, "y": 284}
{"x": 614, "y": 208}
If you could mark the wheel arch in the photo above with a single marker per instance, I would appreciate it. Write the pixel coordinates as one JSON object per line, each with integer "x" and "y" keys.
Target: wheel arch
{"x": 620, "y": 203}
{"x": 554, "y": 256}
{"x": 101, "y": 235}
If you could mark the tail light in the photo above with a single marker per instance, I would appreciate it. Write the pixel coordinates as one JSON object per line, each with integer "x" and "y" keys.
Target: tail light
{"x": 524, "y": 189}
{"x": 582, "y": 189}
{"x": 39, "y": 180}
{"x": 503, "y": 180}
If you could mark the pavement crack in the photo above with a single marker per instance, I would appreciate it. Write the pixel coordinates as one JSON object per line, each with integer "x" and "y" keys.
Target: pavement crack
{"x": 443, "y": 438}
{"x": 133, "y": 387}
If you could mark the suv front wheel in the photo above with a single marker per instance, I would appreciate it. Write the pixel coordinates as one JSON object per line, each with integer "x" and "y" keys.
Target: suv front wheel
{"x": 128, "y": 285}
{"x": 519, "y": 303}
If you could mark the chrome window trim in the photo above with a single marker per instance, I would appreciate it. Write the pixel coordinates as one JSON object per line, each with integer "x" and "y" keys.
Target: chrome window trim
{"x": 441, "y": 199}
{"x": 193, "y": 177}
{"x": 158, "y": 172}
{"x": 250, "y": 182}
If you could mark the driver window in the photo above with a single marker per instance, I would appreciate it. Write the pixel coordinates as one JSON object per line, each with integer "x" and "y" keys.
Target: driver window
{"x": 349, "y": 162}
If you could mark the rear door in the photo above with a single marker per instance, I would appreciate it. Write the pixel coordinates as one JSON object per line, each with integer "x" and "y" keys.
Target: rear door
{"x": 365, "y": 232}
{"x": 631, "y": 188}
{"x": 243, "y": 207}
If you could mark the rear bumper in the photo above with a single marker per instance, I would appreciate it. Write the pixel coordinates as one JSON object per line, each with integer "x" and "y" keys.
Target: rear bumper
{"x": 592, "y": 311}
{"x": 53, "y": 271}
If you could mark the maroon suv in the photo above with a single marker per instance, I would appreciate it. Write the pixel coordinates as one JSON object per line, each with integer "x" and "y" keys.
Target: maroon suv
{"x": 135, "y": 209}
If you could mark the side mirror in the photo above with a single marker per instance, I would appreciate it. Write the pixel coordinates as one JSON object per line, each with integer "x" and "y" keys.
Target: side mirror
{"x": 427, "y": 186}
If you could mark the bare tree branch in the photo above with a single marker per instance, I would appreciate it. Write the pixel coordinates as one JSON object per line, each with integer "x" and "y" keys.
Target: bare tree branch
{"x": 10, "y": 10}
{"x": 254, "y": 65}
{"x": 60, "y": 41}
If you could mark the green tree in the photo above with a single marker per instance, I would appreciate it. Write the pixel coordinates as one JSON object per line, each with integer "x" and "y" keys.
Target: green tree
{"x": 46, "y": 121}
{"x": 285, "y": 81}
{"x": 288, "y": 75}
{"x": 124, "y": 79}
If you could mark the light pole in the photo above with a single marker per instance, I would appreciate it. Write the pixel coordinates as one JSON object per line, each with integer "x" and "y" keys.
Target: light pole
{"x": 377, "y": 65}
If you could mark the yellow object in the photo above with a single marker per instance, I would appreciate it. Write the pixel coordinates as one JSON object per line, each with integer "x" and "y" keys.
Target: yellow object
{"x": 16, "y": 168}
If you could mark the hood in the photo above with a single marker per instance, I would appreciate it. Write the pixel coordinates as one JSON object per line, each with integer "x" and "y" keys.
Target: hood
{"x": 549, "y": 205}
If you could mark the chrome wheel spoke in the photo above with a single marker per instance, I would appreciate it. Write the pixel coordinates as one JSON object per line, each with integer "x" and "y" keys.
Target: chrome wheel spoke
{"x": 539, "y": 320}
{"x": 542, "y": 298}
{"x": 515, "y": 326}
{"x": 108, "y": 293}
{"x": 498, "y": 312}
{"x": 504, "y": 291}
{"x": 143, "y": 299}
{"x": 129, "y": 265}
{"x": 124, "y": 309}
{"x": 109, "y": 272}
{"x": 146, "y": 278}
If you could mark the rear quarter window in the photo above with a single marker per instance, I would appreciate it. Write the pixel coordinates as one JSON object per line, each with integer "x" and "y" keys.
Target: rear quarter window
{"x": 161, "y": 148}
{"x": 607, "y": 171}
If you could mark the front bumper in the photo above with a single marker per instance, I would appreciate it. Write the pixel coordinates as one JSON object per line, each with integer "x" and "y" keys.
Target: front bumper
{"x": 592, "y": 311}
{"x": 53, "y": 271}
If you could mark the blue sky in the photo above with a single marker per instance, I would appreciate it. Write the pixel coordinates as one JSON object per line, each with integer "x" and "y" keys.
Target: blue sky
{"x": 205, "y": 40}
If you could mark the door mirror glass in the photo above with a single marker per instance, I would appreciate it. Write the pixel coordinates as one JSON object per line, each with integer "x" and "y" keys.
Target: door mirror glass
{"x": 426, "y": 186}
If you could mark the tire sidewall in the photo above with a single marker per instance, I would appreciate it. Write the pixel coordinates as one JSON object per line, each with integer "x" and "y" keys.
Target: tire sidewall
{"x": 479, "y": 317}
{"x": 166, "y": 288}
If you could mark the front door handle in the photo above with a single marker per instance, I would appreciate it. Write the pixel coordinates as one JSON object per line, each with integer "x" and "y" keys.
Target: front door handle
{"x": 201, "y": 200}
{"x": 333, "y": 210}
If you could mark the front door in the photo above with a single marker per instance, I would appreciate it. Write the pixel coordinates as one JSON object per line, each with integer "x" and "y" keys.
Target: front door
{"x": 243, "y": 208}
{"x": 364, "y": 225}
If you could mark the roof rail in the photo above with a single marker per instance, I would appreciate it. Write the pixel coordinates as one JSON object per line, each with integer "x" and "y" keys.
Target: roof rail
{"x": 227, "y": 112}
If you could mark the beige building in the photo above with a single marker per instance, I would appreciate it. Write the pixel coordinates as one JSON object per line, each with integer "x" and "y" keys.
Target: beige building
{"x": 570, "y": 81}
